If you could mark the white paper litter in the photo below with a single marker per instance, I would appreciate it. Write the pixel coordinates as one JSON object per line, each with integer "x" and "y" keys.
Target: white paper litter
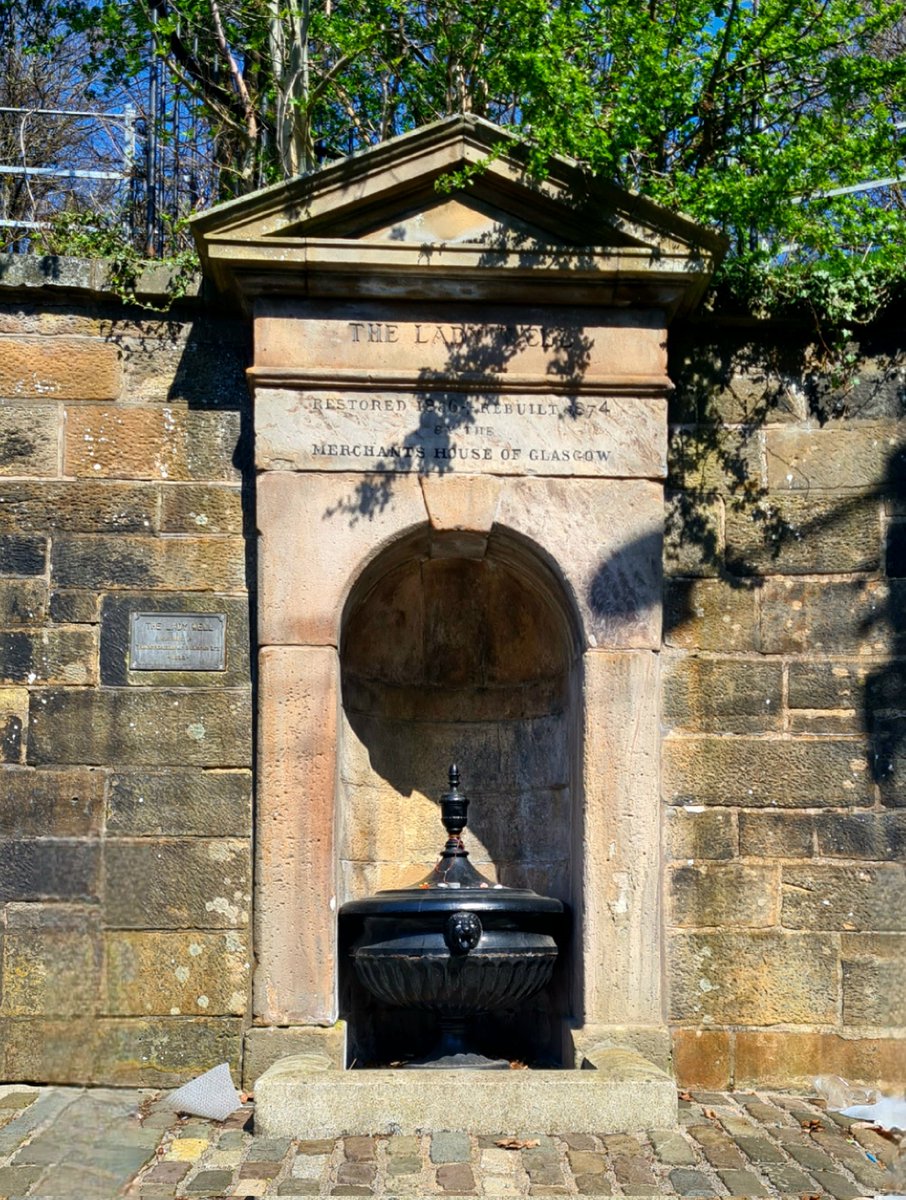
{"x": 211, "y": 1095}
{"x": 889, "y": 1112}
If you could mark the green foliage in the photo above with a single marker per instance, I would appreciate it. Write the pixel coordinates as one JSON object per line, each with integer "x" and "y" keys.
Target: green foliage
{"x": 90, "y": 235}
{"x": 747, "y": 116}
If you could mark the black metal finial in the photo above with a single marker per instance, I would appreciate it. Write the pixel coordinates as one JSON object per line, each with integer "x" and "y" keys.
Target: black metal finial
{"x": 454, "y": 808}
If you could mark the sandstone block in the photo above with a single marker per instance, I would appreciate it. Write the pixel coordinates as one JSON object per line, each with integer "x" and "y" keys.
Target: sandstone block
{"x": 836, "y": 459}
{"x": 22, "y": 602}
{"x": 802, "y": 535}
{"x": 64, "y": 656}
{"x": 52, "y": 1049}
{"x": 874, "y": 979}
{"x": 13, "y": 727}
{"x": 461, "y": 501}
{"x": 162, "y": 1051}
{"x": 850, "y": 898}
{"x": 831, "y": 618}
{"x": 53, "y": 803}
{"x": 77, "y": 506}
{"x": 116, "y": 611}
{"x": 792, "y": 1059}
{"x": 715, "y": 460}
{"x": 878, "y": 836}
{"x": 833, "y": 685}
{"x": 302, "y": 594}
{"x": 778, "y": 835}
{"x": 200, "y": 803}
{"x": 759, "y": 977}
{"x": 51, "y": 960}
{"x": 188, "y": 973}
{"x": 75, "y": 607}
{"x": 203, "y": 363}
{"x": 166, "y": 442}
{"x": 706, "y": 614}
{"x": 264, "y": 1047}
{"x": 22, "y": 555}
{"x": 693, "y": 535}
{"x": 29, "y": 439}
{"x": 177, "y": 883}
{"x": 49, "y": 869}
{"x": 295, "y": 925}
{"x": 210, "y": 728}
{"x": 724, "y": 896}
{"x": 172, "y": 563}
{"x": 201, "y": 508}
{"x": 65, "y": 368}
{"x": 735, "y": 379}
{"x": 693, "y": 834}
{"x": 760, "y": 773}
{"x": 701, "y": 1058}
{"x": 729, "y": 696}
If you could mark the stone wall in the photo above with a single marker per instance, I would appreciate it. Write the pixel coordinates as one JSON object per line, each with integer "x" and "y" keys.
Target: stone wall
{"x": 125, "y": 796}
{"x": 785, "y": 709}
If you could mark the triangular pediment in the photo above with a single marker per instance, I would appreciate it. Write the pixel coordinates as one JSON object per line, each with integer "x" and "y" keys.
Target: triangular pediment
{"x": 454, "y": 199}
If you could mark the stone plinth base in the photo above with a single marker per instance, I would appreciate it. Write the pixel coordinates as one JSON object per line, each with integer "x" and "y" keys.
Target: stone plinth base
{"x": 624, "y": 1094}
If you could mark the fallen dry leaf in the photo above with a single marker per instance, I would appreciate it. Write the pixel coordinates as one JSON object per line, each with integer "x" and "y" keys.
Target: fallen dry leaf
{"x": 812, "y": 1124}
{"x": 246, "y": 1096}
{"x": 687, "y": 1096}
{"x": 710, "y": 1114}
{"x": 517, "y": 1143}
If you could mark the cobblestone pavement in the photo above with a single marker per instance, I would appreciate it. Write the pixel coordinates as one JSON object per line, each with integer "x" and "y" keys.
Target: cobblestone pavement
{"x": 99, "y": 1144}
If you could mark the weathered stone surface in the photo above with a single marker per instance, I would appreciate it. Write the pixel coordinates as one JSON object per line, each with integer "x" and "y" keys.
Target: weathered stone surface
{"x": 620, "y": 858}
{"x": 536, "y": 433}
{"x": 67, "y": 656}
{"x": 701, "y": 1057}
{"x": 52, "y": 1049}
{"x": 778, "y": 835}
{"x": 757, "y": 773}
{"x": 201, "y": 508}
{"x": 706, "y": 614}
{"x": 186, "y": 973}
{"x": 202, "y": 363}
{"x": 878, "y": 836}
{"x": 116, "y": 613}
{"x": 831, "y": 685}
{"x": 693, "y": 834}
{"x": 49, "y": 869}
{"x": 693, "y": 535}
{"x": 62, "y": 368}
{"x": 833, "y": 459}
{"x": 75, "y": 607}
{"x": 177, "y": 883}
{"x": 874, "y": 979}
{"x": 716, "y": 460}
{"x": 13, "y": 726}
{"x": 722, "y": 696}
{"x": 461, "y": 501}
{"x": 77, "y": 506}
{"x": 295, "y": 926}
{"x": 792, "y": 1059}
{"x": 830, "y": 618}
{"x": 852, "y": 898}
{"x": 759, "y": 977}
{"x": 737, "y": 377}
{"x": 166, "y": 442}
{"x": 202, "y": 803}
{"x": 164, "y": 1052}
{"x": 803, "y": 535}
{"x": 175, "y": 563}
{"x": 22, "y": 555}
{"x": 51, "y": 960}
{"x": 22, "y": 602}
{"x": 210, "y": 728}
{"x": 29, "y": 439}
{"x": 264, "y": 1047}
{"x": 724, "y": 896}
{"x": 53, "y": 803}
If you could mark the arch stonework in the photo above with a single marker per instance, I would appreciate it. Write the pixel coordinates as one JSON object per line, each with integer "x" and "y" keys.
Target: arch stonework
{"x": 476, "y": 376}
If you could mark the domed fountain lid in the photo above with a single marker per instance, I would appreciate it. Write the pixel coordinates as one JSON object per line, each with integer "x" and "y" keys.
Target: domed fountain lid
{"x": 453, "y": 883}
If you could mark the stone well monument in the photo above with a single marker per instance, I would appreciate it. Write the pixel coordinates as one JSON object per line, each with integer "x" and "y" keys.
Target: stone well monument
{"x": 459, "y": 388}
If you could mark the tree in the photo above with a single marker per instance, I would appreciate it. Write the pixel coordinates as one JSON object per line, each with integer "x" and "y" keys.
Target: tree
{"x": 752, "y": 115}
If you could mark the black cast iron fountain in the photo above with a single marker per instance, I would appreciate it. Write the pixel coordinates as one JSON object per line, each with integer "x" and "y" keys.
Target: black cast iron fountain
{"x": 455, "y": 943}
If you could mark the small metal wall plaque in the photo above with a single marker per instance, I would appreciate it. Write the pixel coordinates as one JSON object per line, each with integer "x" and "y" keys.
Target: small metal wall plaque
{"x": 177, "y": 641}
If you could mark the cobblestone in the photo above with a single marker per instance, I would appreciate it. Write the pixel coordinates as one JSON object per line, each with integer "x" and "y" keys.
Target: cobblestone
{"x": 62, "y": 1143}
